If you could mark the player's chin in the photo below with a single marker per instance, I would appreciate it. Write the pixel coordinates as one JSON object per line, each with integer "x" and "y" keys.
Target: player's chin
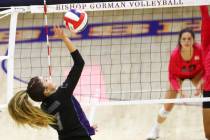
{"x": 187, "y": 46}
{"x": 53, "y": 86}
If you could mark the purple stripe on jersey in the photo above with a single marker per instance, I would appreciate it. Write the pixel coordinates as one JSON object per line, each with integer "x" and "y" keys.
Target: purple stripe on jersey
{"x": 82, "y": 117}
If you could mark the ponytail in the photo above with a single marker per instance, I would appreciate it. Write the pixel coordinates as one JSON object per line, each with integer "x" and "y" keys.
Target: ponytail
{"x": 23, "y": 112}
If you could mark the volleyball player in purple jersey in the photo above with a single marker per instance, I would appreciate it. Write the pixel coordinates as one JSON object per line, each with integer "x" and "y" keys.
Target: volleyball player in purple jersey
{"x": 59, "y": 108}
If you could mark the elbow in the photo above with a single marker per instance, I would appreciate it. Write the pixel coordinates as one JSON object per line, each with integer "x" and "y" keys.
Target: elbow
{"x": 80, "y": 63}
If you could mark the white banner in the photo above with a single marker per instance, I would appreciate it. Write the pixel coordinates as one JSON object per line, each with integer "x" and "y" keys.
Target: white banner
{"x": 139, "y": 4}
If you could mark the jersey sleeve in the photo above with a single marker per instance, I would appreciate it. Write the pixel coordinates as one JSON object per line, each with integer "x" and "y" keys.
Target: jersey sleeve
{"x": 172, "y": 70}
{"x": 207, "y": 64}
{"x": 75, "y": 72}
{"x": 205, "y": 27}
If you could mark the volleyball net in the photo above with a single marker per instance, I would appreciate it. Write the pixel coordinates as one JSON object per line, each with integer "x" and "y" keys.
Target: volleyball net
{"x": 126, "y": 47}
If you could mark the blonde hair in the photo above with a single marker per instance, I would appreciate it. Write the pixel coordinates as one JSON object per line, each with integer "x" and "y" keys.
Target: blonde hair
{"x": 23, "y": 112}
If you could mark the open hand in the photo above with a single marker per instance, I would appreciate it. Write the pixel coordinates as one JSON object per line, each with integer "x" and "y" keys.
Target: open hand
{"x": 59, "y": 33}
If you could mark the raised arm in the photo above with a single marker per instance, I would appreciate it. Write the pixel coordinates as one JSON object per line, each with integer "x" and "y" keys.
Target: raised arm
{"x": 61, "y": 35}
{"x": 205, "y": 27}
{"x": 76, "y": 70}
{"x": 204, "y": 11}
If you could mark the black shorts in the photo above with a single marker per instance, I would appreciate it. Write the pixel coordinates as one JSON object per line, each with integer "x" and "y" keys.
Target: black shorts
{"x": 206, "y": 94}
{"x": 77, "y": 138}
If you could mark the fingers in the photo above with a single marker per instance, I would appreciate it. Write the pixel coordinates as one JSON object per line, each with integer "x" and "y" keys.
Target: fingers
{"x": 95, "y": 127}
{"x": 59, "y": 33}
{"x": 199, "y": 88}
{"x": 57, "y": 29}
{"x": 183, "y": 95}
{"x": 198, "y": 92}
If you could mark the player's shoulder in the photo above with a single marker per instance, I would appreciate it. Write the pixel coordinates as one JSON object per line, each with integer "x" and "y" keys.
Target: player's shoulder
{"x": 197, "y": 46}
{"x": 175, "y": 52}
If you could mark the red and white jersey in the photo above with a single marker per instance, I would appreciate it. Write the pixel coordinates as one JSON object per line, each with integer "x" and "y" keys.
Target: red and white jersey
{"x": 181, "y": 69}
{"x": 205, "y": 42}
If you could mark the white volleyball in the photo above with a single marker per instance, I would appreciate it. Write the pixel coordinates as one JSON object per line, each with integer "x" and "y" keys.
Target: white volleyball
{"x": 75, "y": 20}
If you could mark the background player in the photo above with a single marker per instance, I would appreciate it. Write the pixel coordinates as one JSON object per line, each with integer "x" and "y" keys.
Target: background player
{"x": 185, "y": 63}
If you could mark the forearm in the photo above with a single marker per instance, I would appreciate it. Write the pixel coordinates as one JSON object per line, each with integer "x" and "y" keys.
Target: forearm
{"x": 75, "y": 72}
{"x": 69, "y": 44}
{"x": 205, "y": 27}
{"x": 78, "y": 60}
{"x": 207, "y": 65}
{"x": 175, "y": 84}
{"x": 172, "y": 73}
{"x": 204, "y": 11}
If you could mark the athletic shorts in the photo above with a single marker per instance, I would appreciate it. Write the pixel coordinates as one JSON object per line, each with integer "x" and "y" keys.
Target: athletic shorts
{"x": 77, "y": 138}
{"x": 206, "y": 94}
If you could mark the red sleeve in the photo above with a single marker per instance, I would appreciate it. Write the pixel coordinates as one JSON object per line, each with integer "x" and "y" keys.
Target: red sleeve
{"x": 172, "y": 73}
{"x": 205, "y": 27}
{"x": 207, "y": 65}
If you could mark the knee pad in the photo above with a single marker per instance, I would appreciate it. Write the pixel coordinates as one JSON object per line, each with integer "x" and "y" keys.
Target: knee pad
{"x": 163, "y": 113}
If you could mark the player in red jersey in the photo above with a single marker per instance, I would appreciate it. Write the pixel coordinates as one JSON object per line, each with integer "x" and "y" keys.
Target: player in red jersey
{"x": 205, "y": 42}
{"x": 185, "y": 63}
